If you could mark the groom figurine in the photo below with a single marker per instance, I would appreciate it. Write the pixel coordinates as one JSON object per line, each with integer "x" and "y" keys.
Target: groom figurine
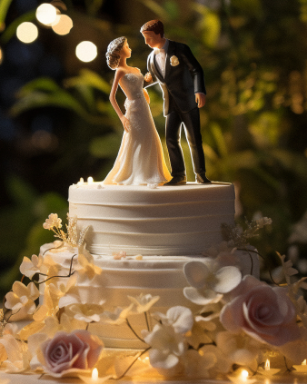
{"x": 180, "y": 76}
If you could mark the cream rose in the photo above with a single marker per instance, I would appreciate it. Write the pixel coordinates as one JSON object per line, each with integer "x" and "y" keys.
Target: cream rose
{"x": 69, "y": 353}
{"x": 265, "y": 313}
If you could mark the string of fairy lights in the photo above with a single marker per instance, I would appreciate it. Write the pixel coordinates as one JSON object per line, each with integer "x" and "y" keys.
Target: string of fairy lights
{"x": 51, "y": 17}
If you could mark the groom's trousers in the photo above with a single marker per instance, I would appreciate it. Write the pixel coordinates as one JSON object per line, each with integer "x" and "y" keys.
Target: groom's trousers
{"x": 191, "y": 121}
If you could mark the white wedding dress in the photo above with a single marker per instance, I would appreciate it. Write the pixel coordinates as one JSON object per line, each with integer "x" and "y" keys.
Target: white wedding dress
{"x": 140, "y": 159}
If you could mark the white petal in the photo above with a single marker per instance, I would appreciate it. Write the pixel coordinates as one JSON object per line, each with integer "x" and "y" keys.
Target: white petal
{"x": 201, "y": 297}
{"x": 227, "y": 279}
{"x": 181, "y": 318}
{"x": 196, "y": 273}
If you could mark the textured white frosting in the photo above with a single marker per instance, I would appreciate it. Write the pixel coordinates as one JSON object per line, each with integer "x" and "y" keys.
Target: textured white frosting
{"x": 171, "y": 221}
{"x": 161, "y": 276}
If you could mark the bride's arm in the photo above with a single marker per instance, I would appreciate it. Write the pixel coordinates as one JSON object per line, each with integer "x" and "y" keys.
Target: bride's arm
{"x": 146, "y": 96}
{"x": 118, "y": 75}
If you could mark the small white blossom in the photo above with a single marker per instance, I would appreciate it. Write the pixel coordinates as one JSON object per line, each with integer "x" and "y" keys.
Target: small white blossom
{"x": 22, "y": 298}
{"x": 180, "y": 318}
{"x": 117, "y": 317}
{"x": 167, "y": 346}
{"x": 208, "y": 283}
{"x": 85, "y": 312}
{"x": 86, "y": 267}
{"x": 143, "y": 303}
{"x": 31, "y": 267}
{"x": 52, "y": 221}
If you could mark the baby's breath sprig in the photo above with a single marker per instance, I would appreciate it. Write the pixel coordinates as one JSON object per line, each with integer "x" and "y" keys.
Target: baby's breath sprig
{"x": 71, "y": 238}
{"x": 240, "y": 236}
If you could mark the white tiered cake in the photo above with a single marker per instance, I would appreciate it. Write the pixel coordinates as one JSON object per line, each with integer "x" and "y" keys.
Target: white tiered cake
{"x": 168, "y": 221}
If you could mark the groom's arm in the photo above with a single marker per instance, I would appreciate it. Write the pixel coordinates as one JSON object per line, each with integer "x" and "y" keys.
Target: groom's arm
{"x": 194, "y": 68}
{"x": 149, "y": 78}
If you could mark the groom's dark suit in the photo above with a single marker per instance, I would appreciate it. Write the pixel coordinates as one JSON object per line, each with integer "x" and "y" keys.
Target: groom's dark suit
{"x": 183, "y": 78}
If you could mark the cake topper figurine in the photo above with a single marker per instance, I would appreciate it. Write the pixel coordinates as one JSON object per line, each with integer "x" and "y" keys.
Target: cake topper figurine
{"x": 140, "y": 159}
{"x": 180, "y": 76}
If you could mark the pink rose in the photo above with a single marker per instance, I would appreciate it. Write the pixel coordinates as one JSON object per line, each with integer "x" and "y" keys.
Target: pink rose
{"x": 263, "y": 312}
{"x": 70, "y": 352}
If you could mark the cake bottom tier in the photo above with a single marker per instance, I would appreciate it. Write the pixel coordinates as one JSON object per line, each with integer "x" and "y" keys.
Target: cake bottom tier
{"x": 118, "y": 281}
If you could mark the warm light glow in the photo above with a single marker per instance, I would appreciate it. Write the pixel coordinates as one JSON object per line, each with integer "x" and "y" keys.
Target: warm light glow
{"x": 90, "y": 180}
{"x": 81, "y": 181}
{"x": 46, "y": 14}
{"x": 27, "y": 32}
{"x": 267, "y": 365}
{"x": 86, "y": 51}
{"x": 63, "y": 25}
{"x": 1, "y": 56}
{"x": 244, "y": 374}
{"x": 95, "y": 374}
{"x": 304, "y": 362}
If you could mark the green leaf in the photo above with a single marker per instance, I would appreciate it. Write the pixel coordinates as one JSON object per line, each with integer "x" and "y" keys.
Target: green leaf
{"x": 89, "y": 78}
{"x": 156, "y": 8}
{"x": 38, "y": 99}
{"x": 4, "y": 6}
{"x": 43, "y": 84}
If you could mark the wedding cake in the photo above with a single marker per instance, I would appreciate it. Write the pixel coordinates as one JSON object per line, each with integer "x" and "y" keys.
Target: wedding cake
{"x": 157, "y": 230}
{"x": 143, "y": 285}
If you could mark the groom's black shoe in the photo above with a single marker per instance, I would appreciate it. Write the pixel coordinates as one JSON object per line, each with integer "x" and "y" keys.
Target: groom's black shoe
{"x": 201, "y": 178}
{"x": 177, "y": 180}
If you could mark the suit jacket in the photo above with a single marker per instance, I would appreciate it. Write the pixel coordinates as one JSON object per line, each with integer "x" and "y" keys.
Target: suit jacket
{"x": 182, "y": 79}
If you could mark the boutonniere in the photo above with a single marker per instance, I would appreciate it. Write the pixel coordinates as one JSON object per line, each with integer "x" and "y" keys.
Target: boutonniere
{"x": 174, "y": 61}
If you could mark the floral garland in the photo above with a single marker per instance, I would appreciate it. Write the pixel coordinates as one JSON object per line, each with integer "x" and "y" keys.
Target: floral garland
{"x": 242, "y": 322}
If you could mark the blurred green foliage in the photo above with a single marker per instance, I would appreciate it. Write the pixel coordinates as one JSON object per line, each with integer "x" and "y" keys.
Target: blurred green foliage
{"x": 254, "y": 124}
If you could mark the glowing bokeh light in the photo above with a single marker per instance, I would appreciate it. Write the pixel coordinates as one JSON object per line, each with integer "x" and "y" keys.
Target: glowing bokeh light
{"x": 63, "y": 25}
{"x": 27, "y": 32}
{"x": 1, "y": 56}
{"x": 46, "y": 14}
{"x": 86, "y": 51}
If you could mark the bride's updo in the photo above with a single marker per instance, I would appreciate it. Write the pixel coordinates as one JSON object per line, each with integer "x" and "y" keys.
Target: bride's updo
{"x": 113, "y": 52}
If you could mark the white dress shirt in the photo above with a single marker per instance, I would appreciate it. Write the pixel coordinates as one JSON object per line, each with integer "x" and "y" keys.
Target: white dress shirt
{"x": 160, "y": 57}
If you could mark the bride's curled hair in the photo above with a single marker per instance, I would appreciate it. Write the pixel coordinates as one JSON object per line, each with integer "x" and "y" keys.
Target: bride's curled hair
{"x": 113, "y": 52}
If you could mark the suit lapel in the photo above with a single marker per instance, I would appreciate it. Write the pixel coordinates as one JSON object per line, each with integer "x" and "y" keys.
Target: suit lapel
{"x": 170, "y": 52}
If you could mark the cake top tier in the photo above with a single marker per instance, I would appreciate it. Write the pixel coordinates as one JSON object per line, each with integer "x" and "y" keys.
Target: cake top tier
{"x": 169, "y": 221}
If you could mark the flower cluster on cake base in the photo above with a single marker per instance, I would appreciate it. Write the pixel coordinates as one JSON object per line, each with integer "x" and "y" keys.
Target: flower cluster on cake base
{"x": 242, "y": 329}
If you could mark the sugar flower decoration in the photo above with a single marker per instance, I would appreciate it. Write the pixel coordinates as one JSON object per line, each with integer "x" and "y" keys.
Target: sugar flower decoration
{"x": 208, "y": 283}
{"x": 15, "y": 355}
{"x": 239, "y": 348}
{"x": 143, "y": 303}
{"x": 85, "y": 312}
{"x": 31, "y": 267}
{"x": 22, "y": 298}
{"x": 117, "y": 317}
{"x": 180, "y": 318}
{"x": 70, "y": 353}
{"x": 86, "y": 267}
{"x": 166, "y": 346}
{"x": 265, "y": 313}
{"x": 52, "y": 221}
{"x": 167, "y": 339}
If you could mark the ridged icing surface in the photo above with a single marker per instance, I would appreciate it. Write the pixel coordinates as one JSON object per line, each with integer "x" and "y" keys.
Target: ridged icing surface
{"x": 169, "y": 221}
{"x": 161, "y": 276}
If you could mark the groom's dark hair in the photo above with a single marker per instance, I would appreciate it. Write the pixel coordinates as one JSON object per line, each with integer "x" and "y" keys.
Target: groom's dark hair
{"x": 155, "y": 26}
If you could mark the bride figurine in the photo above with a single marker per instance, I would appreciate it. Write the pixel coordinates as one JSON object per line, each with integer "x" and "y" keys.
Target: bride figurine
{"x": 140, "y": 159}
